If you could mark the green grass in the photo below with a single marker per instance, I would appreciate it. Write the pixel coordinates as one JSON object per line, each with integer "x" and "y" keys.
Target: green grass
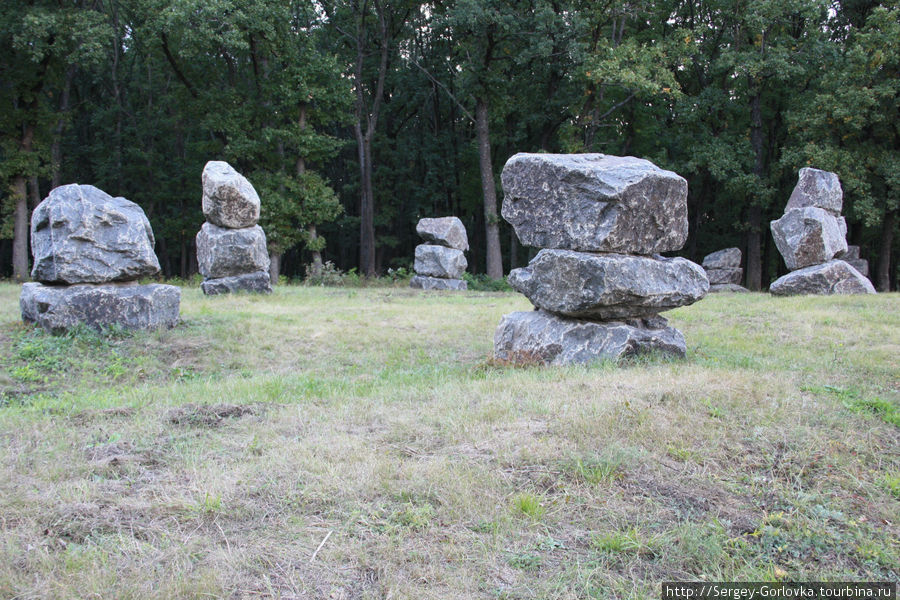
{"x": 359, "y": 442}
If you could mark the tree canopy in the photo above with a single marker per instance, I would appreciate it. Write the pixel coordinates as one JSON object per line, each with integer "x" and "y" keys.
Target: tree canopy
{"x": 355, "y": 118}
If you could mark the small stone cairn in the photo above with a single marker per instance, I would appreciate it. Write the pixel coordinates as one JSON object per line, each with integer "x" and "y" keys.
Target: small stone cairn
{"x": 723, "y": 268}
{"x": 598, "y": 284}
{"x": 231, "y": 246}
{"x": 89, "y": 251}
{"x": 440, "y": 261}
{"x": 811, "y": 235}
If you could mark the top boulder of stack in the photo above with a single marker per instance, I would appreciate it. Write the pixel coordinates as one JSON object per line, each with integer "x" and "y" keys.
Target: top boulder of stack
{"x": 594, "y": 203}
{"x": 820, "y": 189}
{"x": 229, "y": 200}
{"x": 729, "y": 258}
{"x": 81, "y": 234}
{"x": 444, "y": 231}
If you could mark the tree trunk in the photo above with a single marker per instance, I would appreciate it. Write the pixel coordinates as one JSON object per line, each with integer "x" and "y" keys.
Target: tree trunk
{"x": 754, "y": 216}
{"x": 20, "y": 229}
{"x": 316, "y": 266}
{"x": 883, "y": 273}
{"x": 56, "y": 146}
{"x": 34, "y": 192}
{"x": 489, "y": 191}
{"x": 274, "y": 267}
{"x": 366, "y": 207}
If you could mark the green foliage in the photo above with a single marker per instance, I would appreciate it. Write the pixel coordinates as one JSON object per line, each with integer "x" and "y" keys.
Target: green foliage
{"x": 528, "y": 505}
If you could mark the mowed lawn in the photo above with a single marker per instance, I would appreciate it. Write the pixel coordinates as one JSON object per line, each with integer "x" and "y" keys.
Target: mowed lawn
{"x": 360, "y": 443}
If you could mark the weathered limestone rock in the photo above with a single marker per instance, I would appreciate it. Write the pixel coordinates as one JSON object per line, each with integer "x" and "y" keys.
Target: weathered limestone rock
{"x": 436, "y": 283}
{"x": 821, "y": 189}
{"x": 608, "y": 286}
{"x": 594, "y": 202}
{"x": 228, "y": 252}
{"x": 715, "y": 288}
{"x": 229, "y": 200}
{"x": 444, "y": 231}
{"x": 541, "y": 337}
{"x": 81, "y": 234}
{"x": 833, "y": 277}
{"x": 439, "y": 261}
{"x": 132, "y": 306}
{"x": 248, "y": 282}
{"x": 729, "y": 258}
{"x": 724, "y": 276}
{"x": 809, "y": 236}
{"x": 860, "y": 264}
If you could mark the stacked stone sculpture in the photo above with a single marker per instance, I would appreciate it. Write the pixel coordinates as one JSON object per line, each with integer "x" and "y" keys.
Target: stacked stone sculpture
{"x": 89, "y": 251}
{"x": 811, "y": 236}
{"x": 723, "y": 268}
{"x": 598, "y": 284}
{"x": 231, "y": 246}
{"x": 440, "y": 261}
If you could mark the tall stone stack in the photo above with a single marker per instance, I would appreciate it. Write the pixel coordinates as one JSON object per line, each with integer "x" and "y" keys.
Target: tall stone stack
{"x": 89, "y": 251}
{"x": 231, "y": 246}
{"x": 811, "y": 235}
{"x": 440, "y": 261}
{"x": 598, "y": 284}
{"x": 723, "y": 269}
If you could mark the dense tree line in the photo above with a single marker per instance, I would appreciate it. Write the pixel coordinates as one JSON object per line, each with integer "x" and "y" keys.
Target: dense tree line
{"x": 355, "y": 118}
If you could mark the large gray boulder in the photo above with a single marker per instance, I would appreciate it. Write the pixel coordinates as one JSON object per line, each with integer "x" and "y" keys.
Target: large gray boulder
{"x": 81, "y": 234}
{"x": 258, "y": 282}
{"x": 729, "y": 258}
{"x": 809, "y": 236}
{"x": 608, "y": 286}
{"x": 594, "y": 202}
{"x": 724, "y": 276}
{"x": 229, "y": 200}
{"x": 225, "y": 252}
{"x": 821, "y": 189}
{"x": 60, "y": 308}
{"x": 439, "y": 261}
{"x": 539, "y": 337}
{"x": 435, "y": 283}
{"x": 444, "y": 231}
{"x": 833, "y": 277}
{"x": 860, "y": 264}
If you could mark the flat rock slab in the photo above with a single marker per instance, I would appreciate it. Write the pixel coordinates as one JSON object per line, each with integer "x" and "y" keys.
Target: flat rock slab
{"x": 727, "y": 287}
{"x": 229, "y": 200}
{"x": 595, "y": 203}
{"x": 809, "y": 236}
{"x": 225, "y": 252}
{"x": 420, "y": 282}
{"x": 860, "y": 264}
{"x": 81, "y": 234}
{"x": 60, "y": 308}
{"x": 833, "y": 277}
{"x": 444, "y": 231}
{"x": 821, "y": 189}
{"x": 727, "y": 275}
{"x": 258, "y": 282}
{"x": 539, "y": 337}
{"x": 608, "y": 286}
{"x": 439, "y": 261}
{"x": 729, "y": 258}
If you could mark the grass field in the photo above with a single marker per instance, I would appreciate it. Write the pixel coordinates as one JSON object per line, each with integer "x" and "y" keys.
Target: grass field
{"x": 359, "y": 443}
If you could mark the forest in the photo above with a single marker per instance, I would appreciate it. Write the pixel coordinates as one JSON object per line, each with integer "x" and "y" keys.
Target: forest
{"x": 355, "y": 118}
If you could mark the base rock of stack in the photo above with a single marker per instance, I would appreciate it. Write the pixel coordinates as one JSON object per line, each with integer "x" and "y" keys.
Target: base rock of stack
{"x": 259, "y": 282}
{"x": 715, "y": 288}
{"x": 544, "y": 338}
{"x": 436, "y": 283}
{"x": 225, "y": 252}
{"x": 594, "y": 203}
{"x": 81, "y": 234}
{"x": 832, "y": 277}
{"x": 809, "y": 236}
{"x": 439, "y": 261}
{"x": 128, "y": 305}
{"x": 608, "y": 286}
